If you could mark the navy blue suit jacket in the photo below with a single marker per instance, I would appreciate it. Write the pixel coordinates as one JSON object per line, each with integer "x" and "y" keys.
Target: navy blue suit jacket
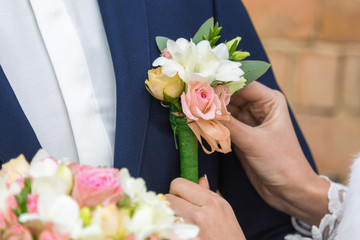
{"x": 144, "y": 140}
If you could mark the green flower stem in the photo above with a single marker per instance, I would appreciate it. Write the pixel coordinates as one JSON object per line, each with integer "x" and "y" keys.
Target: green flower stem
{"x": 188, "y": 145}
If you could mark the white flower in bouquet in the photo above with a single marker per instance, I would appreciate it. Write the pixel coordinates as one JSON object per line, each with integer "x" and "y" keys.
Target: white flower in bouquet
{"x": 43, "y": 165}
{"x": 199, "y": 62}
{"x": 50, "y": 175}
{"x": 135, "y": 188}
{"x": 159, "y": 219}
{"x": 152, "y": 213}
{"x": 63, "y": 212}
{"x": 51, "y": 199}
{"x": 49, "y": 185}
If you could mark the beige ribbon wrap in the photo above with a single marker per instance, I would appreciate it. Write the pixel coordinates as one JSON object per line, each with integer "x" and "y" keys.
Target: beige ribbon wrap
{"x": 214, "y": 132}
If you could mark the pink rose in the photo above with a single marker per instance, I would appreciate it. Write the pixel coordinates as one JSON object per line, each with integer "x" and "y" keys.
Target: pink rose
{"x": 31, "y": 203}
{"x": 200, "y": 101}
{"x": 224, "y": 95}
{"x": 97, "y": 185}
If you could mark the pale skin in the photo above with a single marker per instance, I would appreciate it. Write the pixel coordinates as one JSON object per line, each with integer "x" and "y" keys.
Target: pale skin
{"x": 266, "y": 145}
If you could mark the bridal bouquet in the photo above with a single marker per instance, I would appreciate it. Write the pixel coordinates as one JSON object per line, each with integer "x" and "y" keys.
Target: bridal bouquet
{"x": 196, "y": 80}
{"x": 59, "y": 200}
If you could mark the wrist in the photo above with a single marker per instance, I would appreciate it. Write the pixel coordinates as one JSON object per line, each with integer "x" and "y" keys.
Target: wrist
{"x": 309, "y": 203}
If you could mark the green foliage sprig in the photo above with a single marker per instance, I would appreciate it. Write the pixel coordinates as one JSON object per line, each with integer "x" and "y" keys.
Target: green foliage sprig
{"x": 213, "y": 36}
{"x": 22, "y": 198}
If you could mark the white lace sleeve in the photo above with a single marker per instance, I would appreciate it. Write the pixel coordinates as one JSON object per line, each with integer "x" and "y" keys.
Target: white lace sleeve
{"x": 329, "y": 223}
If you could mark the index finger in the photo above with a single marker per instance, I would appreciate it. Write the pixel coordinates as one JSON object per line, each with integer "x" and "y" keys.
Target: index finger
{"x": 189, "y": 191}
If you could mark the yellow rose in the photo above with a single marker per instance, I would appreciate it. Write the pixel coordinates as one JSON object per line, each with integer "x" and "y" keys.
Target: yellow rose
{"x": 160, "y": 84}
{"x": 16, "y": 168}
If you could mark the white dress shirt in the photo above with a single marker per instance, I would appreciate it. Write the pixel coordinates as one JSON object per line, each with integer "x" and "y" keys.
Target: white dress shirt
{"x": 56, "y": 57}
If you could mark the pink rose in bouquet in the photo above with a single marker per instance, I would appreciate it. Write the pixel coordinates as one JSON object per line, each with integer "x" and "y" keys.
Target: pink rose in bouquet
{"x": 38, "y": 205}
{"x": 96, "y": 185}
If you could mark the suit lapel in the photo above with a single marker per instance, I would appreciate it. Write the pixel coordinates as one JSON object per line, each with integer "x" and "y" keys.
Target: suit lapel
{"x": 16, "y": 133}
{"x": 127, "y": 33}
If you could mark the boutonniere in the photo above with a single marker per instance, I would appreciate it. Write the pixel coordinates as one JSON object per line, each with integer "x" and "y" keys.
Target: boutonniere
{"x": 196, "y": 78}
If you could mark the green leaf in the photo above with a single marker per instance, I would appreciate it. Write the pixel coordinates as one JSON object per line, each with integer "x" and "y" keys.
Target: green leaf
{"x": 235, "y": 86}
{"x": 22, "y": 198}
{"x": 204, "y": 30}
{"x": 254, "y": 69}
{"x": 161, "y": 42}
{"x": 217, "y": 82}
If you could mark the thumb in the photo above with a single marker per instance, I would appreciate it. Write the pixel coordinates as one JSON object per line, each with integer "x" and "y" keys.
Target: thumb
{"x": 203, "y": 182}
{"x": 242, "y": 135}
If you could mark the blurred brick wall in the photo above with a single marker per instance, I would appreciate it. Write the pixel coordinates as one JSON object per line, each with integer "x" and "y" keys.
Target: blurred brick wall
{"x": 314, "y": 48}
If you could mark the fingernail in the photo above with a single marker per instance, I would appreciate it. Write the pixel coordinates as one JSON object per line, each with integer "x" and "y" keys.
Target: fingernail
{"x": 207, "y": 180}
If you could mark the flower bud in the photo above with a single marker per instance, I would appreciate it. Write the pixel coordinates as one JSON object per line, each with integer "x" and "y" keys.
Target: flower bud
{"x": 65, "y": 174}
{"x": 85, "y": 215}
{"x": 238, "y": 56}
{"x": 230, "y": 43}
{"x": 163, "y": 87}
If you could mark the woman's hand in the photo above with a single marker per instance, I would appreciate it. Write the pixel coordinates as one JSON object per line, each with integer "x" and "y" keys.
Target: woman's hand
{"x": 199, "y": 205}
{"x": 268, "y": 149}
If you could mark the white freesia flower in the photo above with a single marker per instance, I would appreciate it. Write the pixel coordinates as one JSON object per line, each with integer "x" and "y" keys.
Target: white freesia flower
{"x": 199, "y": 62}
{"x": 135, "y": 188}
{"x": 149, "y": 219}
{"x": 50, "y": 185}
{"x": 64, "y": 213}
{"x": 159, "y": 218}
{"x": 43, "y": 165}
